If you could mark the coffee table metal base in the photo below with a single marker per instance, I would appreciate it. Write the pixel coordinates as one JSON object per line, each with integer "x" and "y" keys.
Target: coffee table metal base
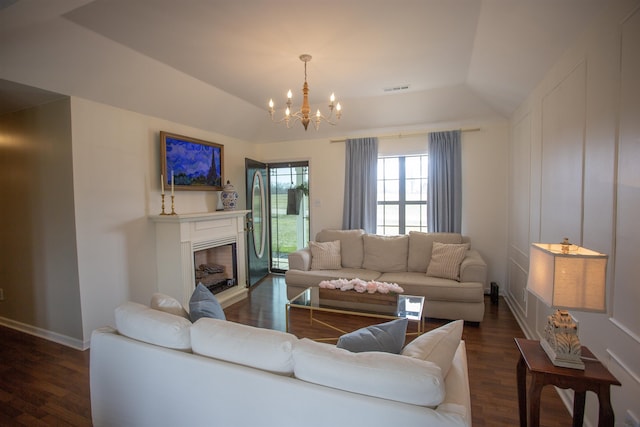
{"x": 409, "y": 306}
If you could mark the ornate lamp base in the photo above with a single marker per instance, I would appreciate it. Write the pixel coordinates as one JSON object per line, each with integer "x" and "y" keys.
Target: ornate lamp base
{"x": 561, "y": 342}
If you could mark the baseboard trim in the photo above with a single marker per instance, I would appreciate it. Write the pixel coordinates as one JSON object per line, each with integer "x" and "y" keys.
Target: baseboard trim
{"x": 45, "y": 334}
{"x": 518, "y": 316}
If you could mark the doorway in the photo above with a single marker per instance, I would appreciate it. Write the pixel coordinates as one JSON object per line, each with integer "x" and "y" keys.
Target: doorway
{"x": 289, "y": 211}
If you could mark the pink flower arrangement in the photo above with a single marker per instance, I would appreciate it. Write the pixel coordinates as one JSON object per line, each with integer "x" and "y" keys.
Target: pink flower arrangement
{"x": 362, "y": 286}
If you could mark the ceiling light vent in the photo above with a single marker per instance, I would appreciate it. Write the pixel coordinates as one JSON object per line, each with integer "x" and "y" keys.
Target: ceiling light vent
{"x": 396, "y": 88}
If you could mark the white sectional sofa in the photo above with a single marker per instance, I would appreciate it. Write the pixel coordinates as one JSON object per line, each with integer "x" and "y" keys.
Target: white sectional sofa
{"x": 405, "y": 260}
{"x": 158, "y": 369}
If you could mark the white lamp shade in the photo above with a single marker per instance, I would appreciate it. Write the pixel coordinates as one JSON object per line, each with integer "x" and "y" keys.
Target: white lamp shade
{"x": 574, "y": 281}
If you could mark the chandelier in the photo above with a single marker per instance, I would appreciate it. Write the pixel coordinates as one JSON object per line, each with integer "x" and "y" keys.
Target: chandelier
{"x": 303, "y": 113}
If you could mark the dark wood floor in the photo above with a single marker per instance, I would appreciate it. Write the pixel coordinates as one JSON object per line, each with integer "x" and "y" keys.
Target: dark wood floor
{"x": 46, "y": 384}
{"x": 42, "y": 383}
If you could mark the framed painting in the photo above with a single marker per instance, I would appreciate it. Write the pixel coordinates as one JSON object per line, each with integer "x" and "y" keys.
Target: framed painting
{"x": 194, "y": 164}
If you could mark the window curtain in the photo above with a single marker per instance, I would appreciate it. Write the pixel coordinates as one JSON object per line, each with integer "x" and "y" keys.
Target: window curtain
{"x": 360, "y": 184}
{"x": 445, "y": 182}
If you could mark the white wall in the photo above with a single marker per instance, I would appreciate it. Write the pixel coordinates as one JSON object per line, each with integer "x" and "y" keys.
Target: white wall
{"x": 484, "y": 201}
{"x": 574, "y": 152}
{"x": 38, "y": 272}
{"x": 116, "y": 175}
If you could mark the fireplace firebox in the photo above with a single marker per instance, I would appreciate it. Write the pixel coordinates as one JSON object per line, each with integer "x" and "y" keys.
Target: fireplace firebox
{"x": 216, "y": 267}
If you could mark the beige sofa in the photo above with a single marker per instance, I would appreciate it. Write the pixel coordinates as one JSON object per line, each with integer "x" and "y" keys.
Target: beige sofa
{"x": 405, "y": 260}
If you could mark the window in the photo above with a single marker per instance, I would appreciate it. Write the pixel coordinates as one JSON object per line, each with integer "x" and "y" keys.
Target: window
{"x": 402, "y": 194}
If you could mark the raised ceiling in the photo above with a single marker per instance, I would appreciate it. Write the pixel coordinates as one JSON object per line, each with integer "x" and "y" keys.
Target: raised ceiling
{"x": 214, "y": 64}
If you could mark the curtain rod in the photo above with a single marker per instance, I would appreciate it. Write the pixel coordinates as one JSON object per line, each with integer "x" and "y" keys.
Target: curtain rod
{"x": 405, "y": 135}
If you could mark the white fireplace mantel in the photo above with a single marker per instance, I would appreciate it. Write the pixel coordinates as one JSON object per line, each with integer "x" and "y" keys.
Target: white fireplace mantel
{"x": 178, "y": 236}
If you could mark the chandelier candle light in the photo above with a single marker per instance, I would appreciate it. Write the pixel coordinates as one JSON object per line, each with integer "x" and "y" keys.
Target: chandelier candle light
{"x": 303, "y": 113}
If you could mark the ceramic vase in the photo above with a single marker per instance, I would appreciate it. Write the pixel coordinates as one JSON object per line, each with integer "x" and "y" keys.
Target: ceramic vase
{"x": 229, "y": 197}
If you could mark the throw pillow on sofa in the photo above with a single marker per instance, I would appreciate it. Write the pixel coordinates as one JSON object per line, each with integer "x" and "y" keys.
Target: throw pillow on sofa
{"x": 325, "y": 255}
{"x": 387, "y": 337}
{"x": 437, "y": 346}
{"x": 204, "y": 304}
{"x": 168, "y": 304}
{"x": 351, "y": 249}
{"x": 446, "y": 260}
{"x": 421, "y": 244}
{"x": 145, "y": 324}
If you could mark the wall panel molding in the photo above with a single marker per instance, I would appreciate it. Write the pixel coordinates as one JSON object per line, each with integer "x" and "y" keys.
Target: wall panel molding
{"x": 563, "y": 130}
{"x": 634, "y": 375}
{"x": 520, "y": 184}
{"x": 626, "y": 293}
{"x": 518, "y": 285}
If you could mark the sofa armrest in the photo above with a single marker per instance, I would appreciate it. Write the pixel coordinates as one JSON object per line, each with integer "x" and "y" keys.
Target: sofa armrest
{"x": 300, "y": 260}
{"x": 473, "y": 268}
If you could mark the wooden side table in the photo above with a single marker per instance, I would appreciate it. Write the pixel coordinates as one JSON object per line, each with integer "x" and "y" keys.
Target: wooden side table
{"x": 595, "y": 377}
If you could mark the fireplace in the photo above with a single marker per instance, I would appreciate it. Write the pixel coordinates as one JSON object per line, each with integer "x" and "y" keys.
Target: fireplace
{"x": 216, "y": 267}
{"x": 206, "y": 247}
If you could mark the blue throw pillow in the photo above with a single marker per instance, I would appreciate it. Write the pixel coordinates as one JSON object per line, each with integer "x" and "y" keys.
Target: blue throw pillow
{"x": 388, "y": 337}
{"x": 204, "y": 304}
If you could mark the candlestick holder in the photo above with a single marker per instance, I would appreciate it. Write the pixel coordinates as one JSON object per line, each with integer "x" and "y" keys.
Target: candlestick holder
{"x": 173, "y": 211}
{"x": 163, "y": 212}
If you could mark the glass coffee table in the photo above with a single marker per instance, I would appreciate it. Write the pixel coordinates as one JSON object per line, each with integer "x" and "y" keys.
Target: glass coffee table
{"x": 380, "y": 306}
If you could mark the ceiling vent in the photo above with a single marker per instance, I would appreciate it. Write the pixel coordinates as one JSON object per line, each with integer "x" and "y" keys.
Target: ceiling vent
{"x": 396, "y": 88}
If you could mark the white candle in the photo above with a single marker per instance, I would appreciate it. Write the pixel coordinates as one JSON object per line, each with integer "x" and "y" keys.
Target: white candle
{"x": 172, "y": 182}
{"x": 162, "y": 184}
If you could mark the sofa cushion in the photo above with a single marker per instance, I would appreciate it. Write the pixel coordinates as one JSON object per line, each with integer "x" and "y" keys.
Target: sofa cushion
{"x": 446, "y": 260}
{"x": 145, "y": 324}
{"x": 168, "y": 304}
{"x": 388, "y": 337}
{"x": 325, "y": 255}
{"x": 436, "y": 288}
{"x": 204, "y": 304}
{"x": 385, "y": 253}
{"x": 259, "y": 348}
{"x": 351, "y": 249}
{"x": 384, "y": 375}
{"x": 420, "y": 245}
{"x": 437, "y": 346}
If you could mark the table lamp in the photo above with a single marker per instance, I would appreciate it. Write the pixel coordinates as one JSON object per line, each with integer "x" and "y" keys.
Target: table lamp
{"x": 566, "y": 277}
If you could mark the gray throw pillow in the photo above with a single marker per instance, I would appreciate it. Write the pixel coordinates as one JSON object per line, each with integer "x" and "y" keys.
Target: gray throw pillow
{"x": 387, "y": 337}
{"x": 204, "y": 304}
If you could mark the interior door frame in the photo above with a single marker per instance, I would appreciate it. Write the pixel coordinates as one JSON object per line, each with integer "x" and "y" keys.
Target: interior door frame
{"x": 277, "y": 165}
